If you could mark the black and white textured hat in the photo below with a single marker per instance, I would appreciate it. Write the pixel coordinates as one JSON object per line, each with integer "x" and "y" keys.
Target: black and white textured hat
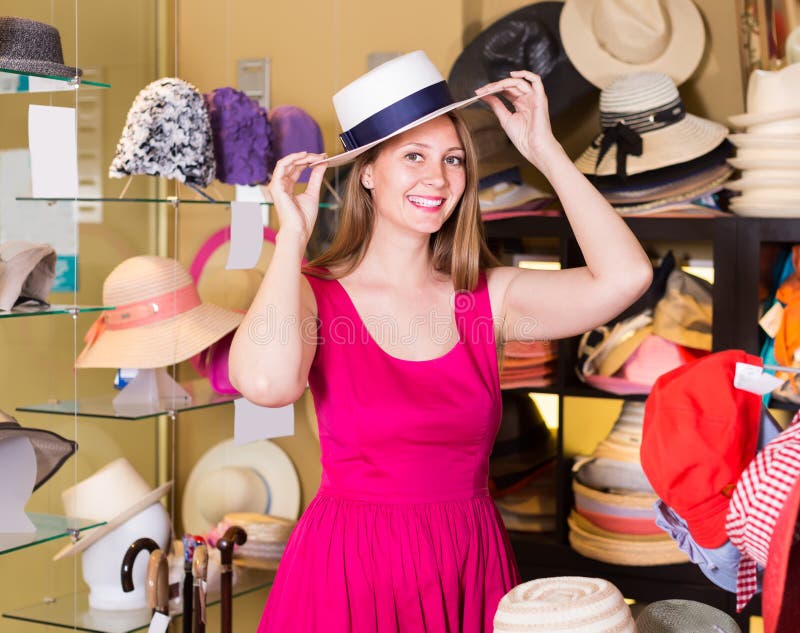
{"x": 28, "y": 46}
{"x": 684, "y": 616}
{"x": 167, "y": 133}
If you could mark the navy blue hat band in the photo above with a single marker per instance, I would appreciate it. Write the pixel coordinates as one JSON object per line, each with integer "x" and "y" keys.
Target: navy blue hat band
{"x": 397, "y": 115}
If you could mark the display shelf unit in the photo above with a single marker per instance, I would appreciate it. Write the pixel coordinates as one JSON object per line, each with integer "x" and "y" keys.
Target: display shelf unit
{"x": 36, "y": 310}
{"x": 14, "y": 81}
{"x": 735, "y": 242}
{"x": 166, "y": 200}
{"x": 49, "y": 527}
{"x": 102, "y": 406}
{"x": 72, "y": 611}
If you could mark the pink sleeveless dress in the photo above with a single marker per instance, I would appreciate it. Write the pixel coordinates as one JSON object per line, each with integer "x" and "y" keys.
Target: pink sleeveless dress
{"x": 402, "y": 535}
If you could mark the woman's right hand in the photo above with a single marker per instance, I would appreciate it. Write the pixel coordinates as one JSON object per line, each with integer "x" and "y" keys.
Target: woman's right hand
{"x": 297, "y": 212}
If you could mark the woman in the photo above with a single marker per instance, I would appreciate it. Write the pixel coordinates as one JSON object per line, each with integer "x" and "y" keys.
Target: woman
{"x": 396, "y": 330}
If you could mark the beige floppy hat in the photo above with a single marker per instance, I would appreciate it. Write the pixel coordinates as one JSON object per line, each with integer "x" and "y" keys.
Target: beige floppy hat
{"x": 158, "y": 320}
{"x": 114, "y": 494}
{"x": 568, "y": 604}
{"x": 643, "y": 116}
{"x": 605, "y": 39}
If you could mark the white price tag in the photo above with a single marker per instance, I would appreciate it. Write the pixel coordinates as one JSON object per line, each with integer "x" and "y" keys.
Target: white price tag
{"x": 753, "y": 379}
{"x": 252, "y": 422}
{"x": 247, "y": 235}
{"x": 159, "y": 623}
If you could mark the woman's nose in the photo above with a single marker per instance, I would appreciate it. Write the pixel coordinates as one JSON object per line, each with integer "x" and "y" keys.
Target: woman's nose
{"x": 435, "y": 175}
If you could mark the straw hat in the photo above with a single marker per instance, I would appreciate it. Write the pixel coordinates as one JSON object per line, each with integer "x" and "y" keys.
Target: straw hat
{"x": 608, "y": 38}
{"x": 642, "y": 118}
{"x": 684, "y": 616}
{"x": 772, "y": 96}
{"x": 27, "y": 272}
{"x": 158, "y": 321}
{"x": 256, "y": 477}
{"x": 567, "y": 604}
{"x": 114, "y": 494}
{"x": 390, "y": 99}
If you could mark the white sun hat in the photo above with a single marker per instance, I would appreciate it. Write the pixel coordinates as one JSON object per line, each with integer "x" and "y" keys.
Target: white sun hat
{"x": 605, "y": 39}
{"x": 567, "y": 604}
{"x": 255, "y": 477}
{"x": 392, "y": 98}
{"x": 643, "y": 117}
{"x": 773, "y": 102}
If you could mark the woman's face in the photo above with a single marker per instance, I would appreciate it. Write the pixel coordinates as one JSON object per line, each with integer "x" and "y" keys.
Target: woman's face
{"x": 419, "y": 176}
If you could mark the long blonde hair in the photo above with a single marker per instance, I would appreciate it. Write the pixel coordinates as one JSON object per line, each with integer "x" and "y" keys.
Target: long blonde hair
{"x": 458, "y": 249}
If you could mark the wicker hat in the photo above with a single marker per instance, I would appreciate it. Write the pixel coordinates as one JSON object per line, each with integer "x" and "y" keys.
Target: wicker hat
{"x": 158, "y": 320}
{"x": 567, "y": 604}
{"x": 28, "y": 46}
{"x": 684, "y": 616}
{"x": 167, "y": 133}
{"x": 644, "y": 126}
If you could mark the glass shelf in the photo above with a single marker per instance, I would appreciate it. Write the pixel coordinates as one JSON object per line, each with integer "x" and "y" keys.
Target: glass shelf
{"x": 168, "y": 200}
{"x": 72, "y": 610}
{"x": 37, "y": 310}
{"x": 103, "y": 406}
{"x": 49, "y": 527}
{"x": 14, "y": 81}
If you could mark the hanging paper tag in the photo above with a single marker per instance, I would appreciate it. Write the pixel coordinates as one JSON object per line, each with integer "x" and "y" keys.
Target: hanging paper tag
{"x": 753, "y": 379}
{"x": 252, "y": 422}
{"x": 246, "y": 235}
{"x": 772, "y": 319}
{"x": 159, "y": 623}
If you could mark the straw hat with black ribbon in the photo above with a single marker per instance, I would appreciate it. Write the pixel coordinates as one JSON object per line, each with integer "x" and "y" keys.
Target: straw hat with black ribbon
{"x": 28, "y": 46}
{"x": 158, "y": 319}
{"x": 645, "y": 126}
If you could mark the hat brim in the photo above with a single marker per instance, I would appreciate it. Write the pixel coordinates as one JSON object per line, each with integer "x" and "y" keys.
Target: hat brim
{"x": 680, "y": 190}
{"x": 746, "y": 164}
{"x": 689, "y": 138}
{"x": 46, "y": 445}
{"x": 757, "y": 118}
{"x": 765, "y": 141}
{"x": 41, "y": 68}
{"x": 161, "y": 344}
{"x": 780, "y": 602}
{"x": 679, "y": 59}
{"x": 92, "y": 536}
{"x": 346, "y": 157}
{"x": 764, "y": 210}
{"x": 269, "y": 461}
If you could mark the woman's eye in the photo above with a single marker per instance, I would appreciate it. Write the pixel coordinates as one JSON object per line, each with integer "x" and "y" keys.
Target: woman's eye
{"x": 454, "y": 161}
{"x": 414, "y": 157}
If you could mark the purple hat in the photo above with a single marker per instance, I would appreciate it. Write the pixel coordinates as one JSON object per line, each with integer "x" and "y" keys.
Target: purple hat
{"x": 293, "y": 130}
{"x": 241, "y": 133}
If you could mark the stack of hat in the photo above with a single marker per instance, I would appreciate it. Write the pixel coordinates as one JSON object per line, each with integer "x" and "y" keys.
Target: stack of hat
{"x": 522, "y": 466}
{"x": 528, "y": 364}
{"x": 613, "y": 519}
{"x": 266, "y": 537}
{"x": 652, "y": 157}
{"x": 768, "y": 150}
{"x": 628, "y": 357}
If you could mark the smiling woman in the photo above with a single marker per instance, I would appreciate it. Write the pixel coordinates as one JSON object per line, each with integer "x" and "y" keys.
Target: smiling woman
{"x": 403, "y": 535}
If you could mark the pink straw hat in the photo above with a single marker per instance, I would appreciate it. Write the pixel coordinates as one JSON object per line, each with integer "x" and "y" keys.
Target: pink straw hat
{"x": 158, "y": 320}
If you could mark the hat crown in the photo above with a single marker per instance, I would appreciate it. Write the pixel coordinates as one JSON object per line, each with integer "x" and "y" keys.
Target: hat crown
{"x": 143, "y": 277}
{"x": 521, "y": 44}
{"x": 105, "y": 494}
{"x": 633, "y": 31}
{"x": 773, "y": 90}
{"x": 21, "y": 38}
{"x": 383, "y": 86}
{"x": 638, "y": 92}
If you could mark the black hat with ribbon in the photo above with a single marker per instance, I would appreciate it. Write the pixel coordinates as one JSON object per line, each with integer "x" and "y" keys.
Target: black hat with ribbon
{"x": 645, "y": 126}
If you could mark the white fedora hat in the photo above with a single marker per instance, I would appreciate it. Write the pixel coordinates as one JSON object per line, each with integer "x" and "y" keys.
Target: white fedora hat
{"x": 255, "y": 477}
{"x": 760, "y": 178}
{"x": 605, "y": 39}
{"x": 764, "y": 209}
{"x": 396, "y": 96}
{"x": 766, "y": 141}
{"x": 772, "y": 96}
{"x": 114, "y": 494}
{"x": 568, "y": 604}
{"x": 643, "y": 118}
{"x": 764, "y": 162}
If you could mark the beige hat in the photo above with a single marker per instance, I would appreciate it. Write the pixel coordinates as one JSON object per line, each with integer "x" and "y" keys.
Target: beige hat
{"x": 605, "y": 39}
{"x": 643, "y": 118}
{"x": 764, "y": 162}
{"x": 683, "y": 315}
{"x": 765, "y": 209}
{"x": 158, "y": 320}
{"x": 772, "y": 96}
{"x": 114, "y": 494}
{"x": 567, "y": 604}
{"x": 765, "y": 178}
{"x": 766, "y": 141}
{"x": 27, "y": 271}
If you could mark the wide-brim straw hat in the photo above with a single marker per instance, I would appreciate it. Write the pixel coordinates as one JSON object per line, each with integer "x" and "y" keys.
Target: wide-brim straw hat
{"x": 606, "y": 39}
{"x": 619, "y": 549}
{"x": 158, "y": 318}
{"x": 684, "y": 616}
{"x": 113, "y": 494}
{"x": 390, "y": 99}
{"x": 648, "y": 105}
{"x": 772, "y": 97}
{"x": 525, "y": 39}
{"x": 567, "y": 604}
{"x": 28, "y": 46}
{"x": 688, "y": 188}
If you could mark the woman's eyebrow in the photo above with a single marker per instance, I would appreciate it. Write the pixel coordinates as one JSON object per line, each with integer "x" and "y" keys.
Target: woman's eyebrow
{"x": 426, "y": 146}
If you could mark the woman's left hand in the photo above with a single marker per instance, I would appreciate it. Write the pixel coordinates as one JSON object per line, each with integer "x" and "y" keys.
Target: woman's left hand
{"x": 528, "y": 126}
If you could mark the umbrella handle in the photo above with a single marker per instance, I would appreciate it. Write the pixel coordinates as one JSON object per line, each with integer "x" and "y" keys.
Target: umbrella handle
{"x": 126, "y": 571}
{"x": 234, "y": 535}
{"x": 157, "y": 589}
{"x": 199, "y": 572}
